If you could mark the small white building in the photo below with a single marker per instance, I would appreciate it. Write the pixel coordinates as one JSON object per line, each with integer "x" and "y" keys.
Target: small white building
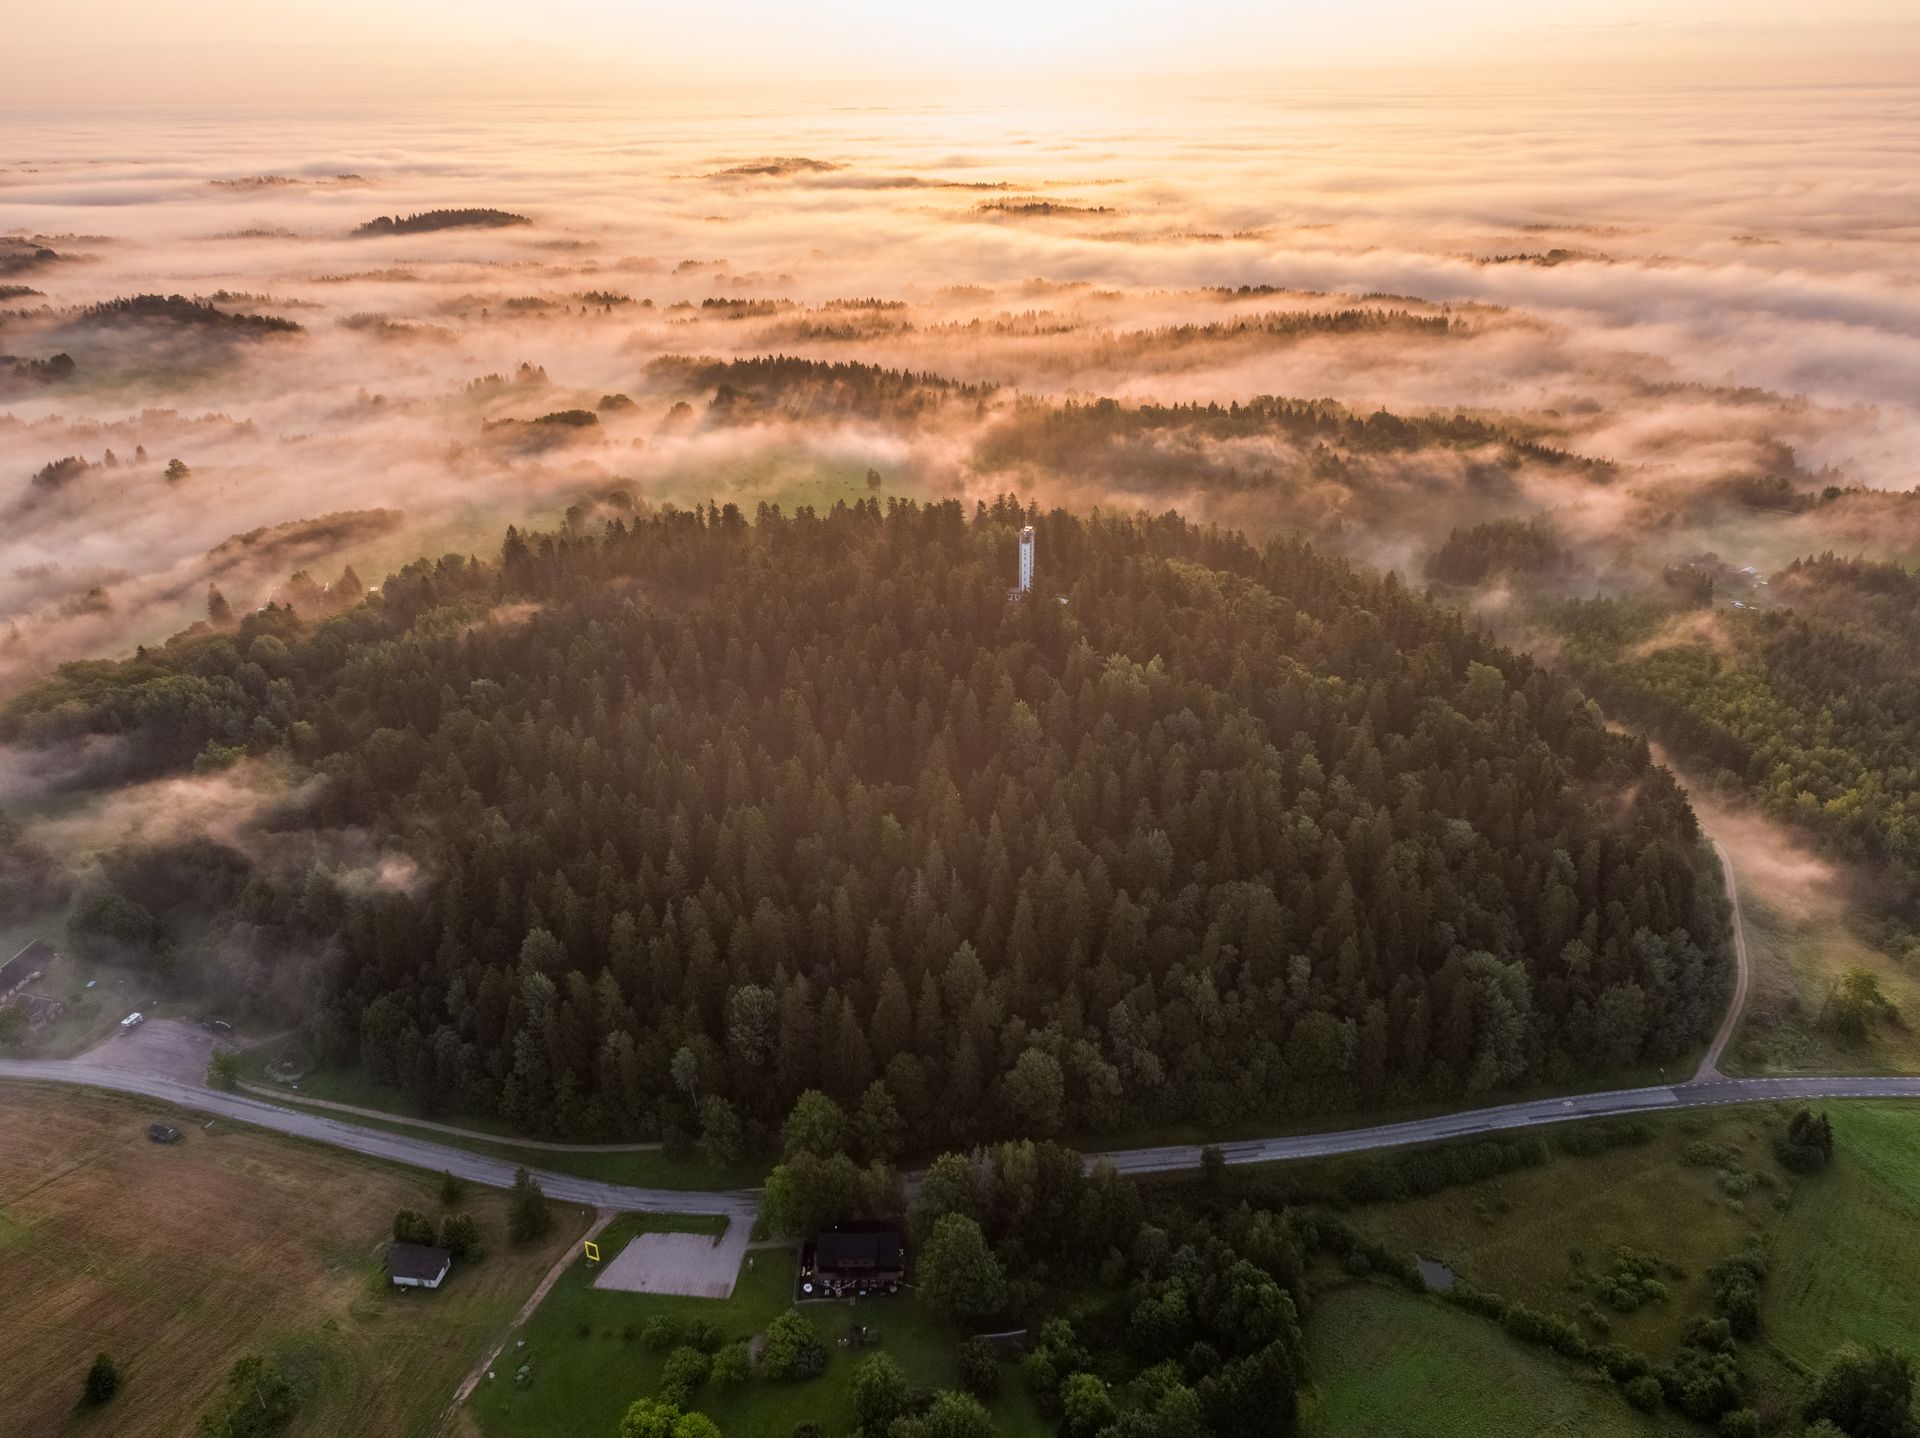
{"x": 414, "y": 1265}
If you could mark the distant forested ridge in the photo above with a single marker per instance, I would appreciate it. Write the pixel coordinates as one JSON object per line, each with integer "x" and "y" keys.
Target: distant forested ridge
{"x": 428, "y": 220}
{"x": 710, "y": 808}
{"x": 178, "y": 310}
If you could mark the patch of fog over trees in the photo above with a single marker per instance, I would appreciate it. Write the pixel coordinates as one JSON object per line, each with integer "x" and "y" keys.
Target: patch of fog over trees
{"x": 716, "y": 812}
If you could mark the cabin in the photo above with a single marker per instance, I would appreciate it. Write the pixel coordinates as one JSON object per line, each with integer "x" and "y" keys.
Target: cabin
{"x": 415, "y": 1265}
{"x": 24, "y": 967}
{"x": 853, "y": 1260}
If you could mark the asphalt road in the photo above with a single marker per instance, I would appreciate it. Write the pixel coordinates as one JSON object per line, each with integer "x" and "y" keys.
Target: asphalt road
{"x": 377, "y": 1143}
{"x": 1707, "y": 1089}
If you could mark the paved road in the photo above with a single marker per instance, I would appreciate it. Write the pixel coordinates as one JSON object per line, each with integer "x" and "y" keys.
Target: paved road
{"x": 1708, "y": 1093}
{"x": 1708, "y": 1088}
{"x": 376, "y": 1143}
{"x": 472, "y": 1135}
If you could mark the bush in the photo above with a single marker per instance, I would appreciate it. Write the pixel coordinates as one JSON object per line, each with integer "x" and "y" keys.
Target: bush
{"x": 1643, "y": 1392}
{"x": 1807, "y": 1145}
{"x": 103, "y": 1381}
{"x": 460, "y": 1236}
{"x": 1739, "y": 1423}
{"x": 793, "y": 1349}
{"x": 979, "y": 1367}
{"x": 686, "y": 1370}
{"x": 453, "y": 1189}
{"x": 223, "y": 1071}
{"x": 661, "y": 1333}
{"x": 411, "y": 1226}
{"x": 528, "y": 1216}
{"x": 731, "y": 1366}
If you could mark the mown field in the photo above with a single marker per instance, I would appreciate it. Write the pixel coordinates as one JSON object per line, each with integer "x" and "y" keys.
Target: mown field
{"x": 1386, "y": 1364}
{"x": 1841, "y": 1245}
{"x": 587, "y": 1364}
{"x": 177, "y": 1260}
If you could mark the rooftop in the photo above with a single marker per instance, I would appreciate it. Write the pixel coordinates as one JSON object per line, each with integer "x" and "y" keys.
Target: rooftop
{"x": 416, "y": 1260}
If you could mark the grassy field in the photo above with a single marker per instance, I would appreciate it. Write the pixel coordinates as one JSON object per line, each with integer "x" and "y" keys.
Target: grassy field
{"x": 1845, "y": 1259}
{"x": 1387, "y": 1364}
{"x": 1799, "y": 953}
{"x": 179, "y": 1259}
{"x": 1527, "y": 1235}
{"x": 1842, "y": 1245}
{"x": 587, "y": 1364}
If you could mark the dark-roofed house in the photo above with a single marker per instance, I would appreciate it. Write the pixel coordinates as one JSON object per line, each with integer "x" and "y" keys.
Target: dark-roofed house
{"x": 414, "y": 1265}
{"x": 24, "y": 967}
{"x": 853, "y": 1258}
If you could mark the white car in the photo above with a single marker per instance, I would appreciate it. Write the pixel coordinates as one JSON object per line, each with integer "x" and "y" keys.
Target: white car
{"x": 133, "y": 1020}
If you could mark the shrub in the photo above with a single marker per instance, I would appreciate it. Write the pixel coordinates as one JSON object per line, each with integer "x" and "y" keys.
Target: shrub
{"x": 460, "y": 1236}
{"x": 1643, "y": 1392}
{"x": 793, "y": 1349}
{"x": 979, "y": 1369}
{"x": 1807, "y": 1145}
{"x": 102, "y": 1382}
{"x": 411, "y": 1226}
{"x": 528, "y": 1216}
{"x": 661, "y": 1333}
{"x": 686, "y": 1370}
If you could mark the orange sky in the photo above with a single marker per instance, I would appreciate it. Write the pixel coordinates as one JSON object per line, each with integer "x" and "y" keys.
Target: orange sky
{"x": 94, "y": 52}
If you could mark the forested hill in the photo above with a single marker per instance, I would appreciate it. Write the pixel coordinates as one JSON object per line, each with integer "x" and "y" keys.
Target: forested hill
{"x": 713, "y": 808}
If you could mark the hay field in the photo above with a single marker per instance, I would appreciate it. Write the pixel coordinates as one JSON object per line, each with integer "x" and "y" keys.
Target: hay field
{"x": 177, "y": 1260}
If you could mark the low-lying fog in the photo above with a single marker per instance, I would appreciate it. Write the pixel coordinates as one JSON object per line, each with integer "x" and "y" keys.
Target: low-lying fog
{"x": 1708, "y": 287}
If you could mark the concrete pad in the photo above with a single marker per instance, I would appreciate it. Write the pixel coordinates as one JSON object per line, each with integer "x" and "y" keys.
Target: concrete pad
{"x": 158, "y": 1048}
{"x": 693, "y": 1265}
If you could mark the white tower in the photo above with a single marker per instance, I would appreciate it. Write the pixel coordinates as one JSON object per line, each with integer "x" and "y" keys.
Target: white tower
{"x": 1026, "y": 560}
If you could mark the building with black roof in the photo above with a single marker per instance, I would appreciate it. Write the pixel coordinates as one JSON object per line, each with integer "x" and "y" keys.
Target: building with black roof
{"x": 26, "y": 966}
{"x": 853, "y": 1258}
{"x": 415, "y": 1265}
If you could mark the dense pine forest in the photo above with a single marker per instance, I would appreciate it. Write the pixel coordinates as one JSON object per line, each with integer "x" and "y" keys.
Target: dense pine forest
{"x": 709, "y": 812}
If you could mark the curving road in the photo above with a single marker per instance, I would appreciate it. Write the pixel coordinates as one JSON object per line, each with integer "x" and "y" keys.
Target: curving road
{"x": 377, "y": 1143}
{"x": 1707, "y": 1089}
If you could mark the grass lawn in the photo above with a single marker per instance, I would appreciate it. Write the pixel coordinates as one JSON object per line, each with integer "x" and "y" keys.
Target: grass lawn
{"x": 1387, "y": 1364}
{"x": 179, "y": 1259}
{"x": 586, "y": 1370}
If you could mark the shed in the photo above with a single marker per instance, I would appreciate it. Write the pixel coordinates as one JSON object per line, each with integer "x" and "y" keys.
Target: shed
{"x": 24, "y": 967}
{"x": 415, "y": 1265}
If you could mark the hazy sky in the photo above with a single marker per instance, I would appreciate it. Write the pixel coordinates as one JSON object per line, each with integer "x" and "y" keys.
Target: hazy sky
{"x": 89, "y": 52}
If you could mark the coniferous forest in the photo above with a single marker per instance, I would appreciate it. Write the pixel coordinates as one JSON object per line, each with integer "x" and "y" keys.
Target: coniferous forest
{"x": 709, "y": 809}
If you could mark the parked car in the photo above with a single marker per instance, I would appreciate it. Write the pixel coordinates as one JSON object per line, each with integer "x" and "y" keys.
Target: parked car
{"x": 133, "y": 1020}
